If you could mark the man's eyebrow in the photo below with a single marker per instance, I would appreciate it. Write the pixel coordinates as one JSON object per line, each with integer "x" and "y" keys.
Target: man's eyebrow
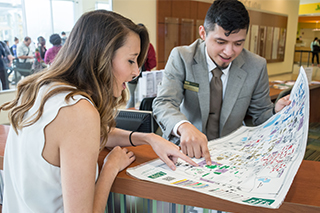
{"x": 227, "y": 40}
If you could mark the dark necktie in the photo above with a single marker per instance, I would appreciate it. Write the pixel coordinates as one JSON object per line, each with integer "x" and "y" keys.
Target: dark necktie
{"x": 215, "y": 104}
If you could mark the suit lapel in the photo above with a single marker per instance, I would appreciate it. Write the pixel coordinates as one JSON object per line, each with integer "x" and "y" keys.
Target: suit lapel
{"x": 236, "y": 79}
{"x": 201, "y": 76}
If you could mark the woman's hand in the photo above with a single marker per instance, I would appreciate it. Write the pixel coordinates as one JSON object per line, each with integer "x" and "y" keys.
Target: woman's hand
{"x": 167, "y": 151}
{"x": 119, "y": 158}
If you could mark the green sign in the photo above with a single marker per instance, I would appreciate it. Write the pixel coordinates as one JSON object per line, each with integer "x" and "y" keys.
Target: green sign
{"x": 156, "y": 175}
{"x": 259, "y": 201}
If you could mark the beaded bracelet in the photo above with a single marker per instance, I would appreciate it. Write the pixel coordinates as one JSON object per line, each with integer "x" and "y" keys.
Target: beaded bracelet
{"x": 130, "y": 138}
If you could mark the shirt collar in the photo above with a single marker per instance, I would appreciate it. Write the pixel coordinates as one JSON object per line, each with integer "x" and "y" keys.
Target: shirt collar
{"x": 211, "y": 65}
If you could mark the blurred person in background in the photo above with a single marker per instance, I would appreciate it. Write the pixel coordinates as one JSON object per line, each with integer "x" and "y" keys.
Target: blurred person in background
{"x": 63, "y": 37}
{"x": 13, "y": 48}
{"x": 3, "y": 70}
{"x": 51, "y": 53}
{"x": 8, "y": 58}
{"x": 42, "y": 46}
{"x": 23, "y": 51}
{"x": 315, "y": 48}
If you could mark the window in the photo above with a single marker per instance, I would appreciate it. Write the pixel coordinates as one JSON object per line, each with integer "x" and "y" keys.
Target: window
{"x": 38, "y": 19}
{"x": 63, "y": 16}
{"x": 46, "y": 17}
{"x": 105, "y": 5}
{"x": 11, "y": 24}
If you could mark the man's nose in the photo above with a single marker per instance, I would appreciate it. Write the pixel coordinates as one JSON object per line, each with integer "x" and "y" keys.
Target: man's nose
{"x": 228, "y": 50}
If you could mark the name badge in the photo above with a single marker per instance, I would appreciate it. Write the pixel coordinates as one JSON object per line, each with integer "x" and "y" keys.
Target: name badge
{"x": 191, "y": 86}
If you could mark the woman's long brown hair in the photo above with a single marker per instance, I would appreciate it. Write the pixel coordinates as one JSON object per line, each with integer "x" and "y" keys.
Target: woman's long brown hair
{"x": 85, "y": 63}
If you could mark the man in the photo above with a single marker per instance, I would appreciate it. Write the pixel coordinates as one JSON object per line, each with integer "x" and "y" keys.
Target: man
{"x": 8, "y": 58}
{"x": 183, "y": 107}
{"x": 23, "y": 51}
{"x": 13, "y": 48}
{"x": 63, "y": 38}
{"x": 3, "y": 70}
{"x": 6, "y": 61}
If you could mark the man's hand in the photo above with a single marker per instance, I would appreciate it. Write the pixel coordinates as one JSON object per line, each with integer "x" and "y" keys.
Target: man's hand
{"x": 193, "y": 142}
{"x": 282, "y": 102}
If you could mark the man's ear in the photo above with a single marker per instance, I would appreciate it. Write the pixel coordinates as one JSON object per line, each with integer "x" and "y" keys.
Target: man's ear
{"x": 202, "y": 32}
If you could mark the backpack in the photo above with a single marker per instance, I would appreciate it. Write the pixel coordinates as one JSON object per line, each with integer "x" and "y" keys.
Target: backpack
{"x": 315, "y": 47}
{"x": 11, "y": 50}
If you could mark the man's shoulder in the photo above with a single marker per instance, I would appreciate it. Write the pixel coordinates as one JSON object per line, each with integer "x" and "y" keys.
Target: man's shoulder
{"x": 190, "y": 48}
{"x": 251, "y": 57}
{"x": 21, "y": 46}
{"x": 188, "y": 51}
{"x": 250, "y": 62}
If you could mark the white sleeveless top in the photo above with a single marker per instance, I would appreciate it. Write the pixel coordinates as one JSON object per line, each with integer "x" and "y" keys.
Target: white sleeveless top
{"x": 31, "y": 184}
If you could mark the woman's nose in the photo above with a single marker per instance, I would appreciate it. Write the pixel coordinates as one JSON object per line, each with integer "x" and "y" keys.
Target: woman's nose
{"x": 136, "y": 72}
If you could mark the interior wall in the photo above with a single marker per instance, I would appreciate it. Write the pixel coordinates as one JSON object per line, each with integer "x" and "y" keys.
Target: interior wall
{"x": 286, "y": 7}
{"x": 139, "y": 11}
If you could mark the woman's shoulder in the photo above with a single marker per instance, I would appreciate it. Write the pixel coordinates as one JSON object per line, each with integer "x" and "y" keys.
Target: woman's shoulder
{"x": 79, "y": 114}
{"x": 59, "y": 92}
{"x": 84, "y": 107}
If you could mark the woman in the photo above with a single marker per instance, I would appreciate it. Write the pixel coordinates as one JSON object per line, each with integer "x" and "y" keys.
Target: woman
{"x": 60, "y": 120}
{"x": 315, "y": 50}
{"x": 49, "y": 56}
{"x": 42, "y": 46}
{"x": 149, "y": 64}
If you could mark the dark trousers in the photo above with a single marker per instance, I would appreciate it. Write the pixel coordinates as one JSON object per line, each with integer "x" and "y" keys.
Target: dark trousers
{"x": 4, "y": 78}
{"x": 317, "y": 56}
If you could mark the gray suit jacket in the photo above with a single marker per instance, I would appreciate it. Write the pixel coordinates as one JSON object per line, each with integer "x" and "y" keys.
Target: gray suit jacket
{"x": 247, "y": 91}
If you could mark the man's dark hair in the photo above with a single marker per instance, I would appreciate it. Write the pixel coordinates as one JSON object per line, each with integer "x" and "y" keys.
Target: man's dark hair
{"x": 55, "y": 39}
{"x": 40, "y": 38}
{"x": 63, "y": 33}
{"x": 231, "y": 15}
{"x": 16, "y": 39}
{"x": 27, "y": 38}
